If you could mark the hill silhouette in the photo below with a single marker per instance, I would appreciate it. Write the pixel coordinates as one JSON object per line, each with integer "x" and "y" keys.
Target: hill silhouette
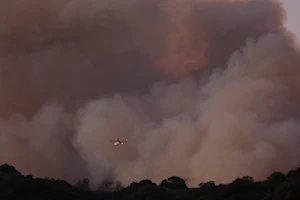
{"x": 277, "y": 186}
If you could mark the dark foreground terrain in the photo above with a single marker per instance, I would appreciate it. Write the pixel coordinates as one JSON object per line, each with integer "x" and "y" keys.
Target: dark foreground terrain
{"x": 278, "y": 186}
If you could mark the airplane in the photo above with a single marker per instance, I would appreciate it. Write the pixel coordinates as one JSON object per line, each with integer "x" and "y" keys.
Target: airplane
{"x": 118, "y": 142}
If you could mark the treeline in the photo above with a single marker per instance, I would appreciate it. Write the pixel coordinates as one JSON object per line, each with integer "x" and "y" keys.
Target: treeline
{"x": 278, "y": 186}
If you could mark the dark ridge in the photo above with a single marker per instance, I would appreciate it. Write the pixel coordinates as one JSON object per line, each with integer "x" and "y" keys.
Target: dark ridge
{"x": 277, "y": 186}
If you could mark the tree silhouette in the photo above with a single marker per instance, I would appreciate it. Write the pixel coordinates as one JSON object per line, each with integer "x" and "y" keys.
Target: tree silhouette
{"x": 207, "y": 184}
{"x": 106, "y": 186}
{"x": 277, "y": 186}
{"x": 109, "y": 185}
{"x": 294, "y": 174}
{"x": 83, "y": 184}
{"x": 147, "y": 182}
{"x": 243, "y": 180}
{"x": 276, "y": 178}
{"x": 173, "y": 182}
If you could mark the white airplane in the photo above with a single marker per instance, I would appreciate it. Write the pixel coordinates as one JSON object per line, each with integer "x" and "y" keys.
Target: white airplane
{"x": 118, "y": 142}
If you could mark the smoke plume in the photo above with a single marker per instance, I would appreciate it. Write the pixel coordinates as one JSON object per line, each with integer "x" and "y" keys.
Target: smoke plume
{"x": 204, "y": 89}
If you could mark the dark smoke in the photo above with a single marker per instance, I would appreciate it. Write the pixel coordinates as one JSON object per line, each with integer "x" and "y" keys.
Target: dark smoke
{"x": 202, "y": 88}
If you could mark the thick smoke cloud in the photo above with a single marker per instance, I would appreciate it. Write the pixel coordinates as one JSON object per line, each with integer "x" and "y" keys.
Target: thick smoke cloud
{"x": 201, "y": 88}
{"x": 71, "y": 51}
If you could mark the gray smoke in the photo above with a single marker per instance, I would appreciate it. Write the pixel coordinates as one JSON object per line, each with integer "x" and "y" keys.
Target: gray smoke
{"x": 201, "y": 88}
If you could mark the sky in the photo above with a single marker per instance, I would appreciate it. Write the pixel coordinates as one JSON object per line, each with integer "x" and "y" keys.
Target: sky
{"x": 197, "y": 95}
{"x": 292, "y": 8}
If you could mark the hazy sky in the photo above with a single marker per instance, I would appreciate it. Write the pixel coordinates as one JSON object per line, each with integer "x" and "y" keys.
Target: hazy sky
{"x": 219, "y": 93}
{"x": 292, "y": 8}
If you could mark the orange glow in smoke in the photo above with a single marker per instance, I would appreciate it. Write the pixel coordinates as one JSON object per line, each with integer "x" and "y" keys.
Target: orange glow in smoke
{"x": 182, "y": 53}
